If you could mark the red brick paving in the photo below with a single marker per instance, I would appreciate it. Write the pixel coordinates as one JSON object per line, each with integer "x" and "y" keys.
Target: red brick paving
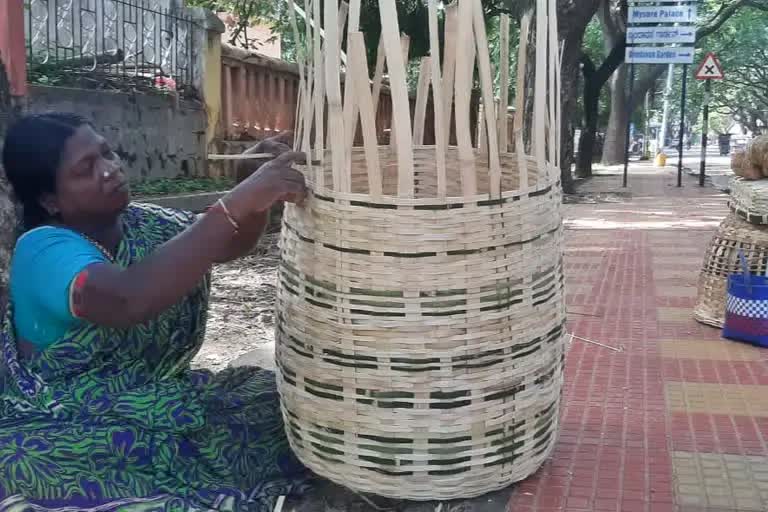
{"x": 619, "y": 437}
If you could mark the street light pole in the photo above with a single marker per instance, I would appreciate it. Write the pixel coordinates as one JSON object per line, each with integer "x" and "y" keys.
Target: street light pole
{"x": 682, "y": 126}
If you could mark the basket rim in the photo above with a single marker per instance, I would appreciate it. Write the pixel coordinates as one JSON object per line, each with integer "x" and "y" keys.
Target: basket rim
{"x": 333, "y": 196}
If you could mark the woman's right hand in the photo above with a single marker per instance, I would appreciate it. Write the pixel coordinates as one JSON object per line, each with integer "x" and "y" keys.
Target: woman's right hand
{"x": 275, "y": 181}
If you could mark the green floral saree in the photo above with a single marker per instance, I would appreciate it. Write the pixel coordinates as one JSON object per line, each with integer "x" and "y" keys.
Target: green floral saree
{"x": 109, "y": 419}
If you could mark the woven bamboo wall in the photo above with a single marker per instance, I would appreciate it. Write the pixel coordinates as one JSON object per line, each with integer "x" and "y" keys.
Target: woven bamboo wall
{"x": 420, "y": 325}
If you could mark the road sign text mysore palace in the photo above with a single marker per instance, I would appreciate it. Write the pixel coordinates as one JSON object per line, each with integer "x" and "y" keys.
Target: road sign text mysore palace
{"x": 662, "y": 14}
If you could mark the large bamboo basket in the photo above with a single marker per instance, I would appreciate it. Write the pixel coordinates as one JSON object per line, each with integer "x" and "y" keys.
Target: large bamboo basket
{"x": 420, "y": 327}
{"x": 722, "y": 259}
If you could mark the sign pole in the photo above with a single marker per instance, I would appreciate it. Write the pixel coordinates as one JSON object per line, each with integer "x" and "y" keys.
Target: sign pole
{"x": 705, "y": 132}
{"x": 709, "y": 69}
{"x": 629, "y": 124}
{"x": 682, "y": 126}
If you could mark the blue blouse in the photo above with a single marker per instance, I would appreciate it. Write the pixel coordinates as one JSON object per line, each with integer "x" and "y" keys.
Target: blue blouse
{"x": 45, "y": 262}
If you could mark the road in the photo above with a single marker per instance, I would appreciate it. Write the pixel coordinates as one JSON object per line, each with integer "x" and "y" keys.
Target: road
{"x": 692, "y": 158}
{"x": 718, "y": 169}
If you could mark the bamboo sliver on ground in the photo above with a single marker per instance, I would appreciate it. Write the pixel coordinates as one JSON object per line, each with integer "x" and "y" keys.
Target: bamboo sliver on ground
{"x": 420, "y": 316}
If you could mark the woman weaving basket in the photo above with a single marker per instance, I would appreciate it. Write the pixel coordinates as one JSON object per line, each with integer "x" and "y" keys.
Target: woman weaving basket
{"x": 108, "y": 301}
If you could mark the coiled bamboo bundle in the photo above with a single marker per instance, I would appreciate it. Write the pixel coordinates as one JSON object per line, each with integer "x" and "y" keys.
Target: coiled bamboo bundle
{"x": 420, "y": 326}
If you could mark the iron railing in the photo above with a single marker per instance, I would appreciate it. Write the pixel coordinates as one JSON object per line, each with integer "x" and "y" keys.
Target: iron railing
{"x": 133, "y": 41}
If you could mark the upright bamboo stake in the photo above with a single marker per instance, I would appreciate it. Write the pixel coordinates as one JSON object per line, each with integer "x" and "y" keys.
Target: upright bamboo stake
{"x": 422, "y": 96}
{"x": 359, "y": 76}
{"x": 465, "y": 67}
{"x": 519, "y": 123}
{"x": 333, "y": 86}
{"x": 503, "y": 129}
{"x": 405, "y": 44}
{"x": 449, "y": 65}
{"x": 552, "y": 88}
{"x": 343, "y": 12}
{"x": 309, "y": 104}
{"x": 378, "y": 75}
{"x": 351, "y": 105}
{"x": 401, "y": 113}
{"x": 319, "y": 96}
{"x": 438, "y": 104}
{"x": 540, "y": 89}
{"x": 486, "y": 85}
{"x": 300, "y": 57}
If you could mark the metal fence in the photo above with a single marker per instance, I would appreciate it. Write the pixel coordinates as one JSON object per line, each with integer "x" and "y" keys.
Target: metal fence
{"x": 136, "y": 41}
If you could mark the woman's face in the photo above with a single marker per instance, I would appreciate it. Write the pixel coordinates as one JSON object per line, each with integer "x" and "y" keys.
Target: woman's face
{"x": 90, "y": 183}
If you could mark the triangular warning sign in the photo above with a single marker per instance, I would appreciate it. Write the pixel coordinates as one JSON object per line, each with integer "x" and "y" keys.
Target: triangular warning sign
{"x": 710, "y": 68}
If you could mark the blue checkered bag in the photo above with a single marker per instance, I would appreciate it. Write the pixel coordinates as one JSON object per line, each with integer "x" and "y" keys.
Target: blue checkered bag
{"x": 746, "y": 310}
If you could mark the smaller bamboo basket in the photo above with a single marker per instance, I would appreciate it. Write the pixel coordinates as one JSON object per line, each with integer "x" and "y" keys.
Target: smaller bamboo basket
{"x": 722, "y": 259}
{"x": 749, "y": 200}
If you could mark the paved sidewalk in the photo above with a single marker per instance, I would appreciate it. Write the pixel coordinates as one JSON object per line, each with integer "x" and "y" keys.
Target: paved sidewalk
{"x": 677, "y": 421}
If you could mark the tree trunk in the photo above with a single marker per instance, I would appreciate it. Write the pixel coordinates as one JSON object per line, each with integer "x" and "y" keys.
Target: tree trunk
{"x": 616, "y": 133}
{"x": 586, "y": 149}
{"x": 591, "y": 100}
{"x": 8, "y": 219}
{"x": 568, "y": 108}
{"x": 573, "y": 18}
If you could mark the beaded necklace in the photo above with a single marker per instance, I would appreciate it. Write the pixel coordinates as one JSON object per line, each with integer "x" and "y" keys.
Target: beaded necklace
{"x": 100, "y": 247}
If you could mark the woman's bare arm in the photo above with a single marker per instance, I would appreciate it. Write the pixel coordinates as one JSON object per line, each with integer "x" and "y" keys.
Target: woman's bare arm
{"x": 114, "y": 297}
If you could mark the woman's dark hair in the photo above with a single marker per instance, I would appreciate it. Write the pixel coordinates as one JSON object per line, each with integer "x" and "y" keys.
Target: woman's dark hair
{"x": 32, "y": 155}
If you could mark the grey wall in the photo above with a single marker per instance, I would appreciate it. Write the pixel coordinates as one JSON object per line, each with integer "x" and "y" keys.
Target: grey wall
{"x": 154, "y": 135}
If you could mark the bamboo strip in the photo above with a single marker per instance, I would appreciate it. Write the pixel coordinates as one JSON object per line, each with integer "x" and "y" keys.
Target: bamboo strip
{"x": 319, "y": 94}
{"x": 310, "y": 21}
{"x": 401, "y": 114}
{"x": 422, "y": 96}
{"x": 378, "y": 75}
{"x": 503, "y": 129}
{"x": 359, "y": 77}
{"x": 449, "y": 65}
{"x": 540, "y": 89}
{"x": 519, "y": 123}
{"x": 333, "y": 85}
{"x": 463, "y": 86}
{"x": 486, "y": 85}
{"x": 552, "y": 88}
{"x": 559, "y": 103}
{"x": 482, "y": 138}
{"x": 405, "y": 44}
{"x": 246, "y": 156}
{"x": 343, "y": 12}
{"x": 437, "y": 100}
{"x": 308, "y": 105}
{"x": 350, "y": 102}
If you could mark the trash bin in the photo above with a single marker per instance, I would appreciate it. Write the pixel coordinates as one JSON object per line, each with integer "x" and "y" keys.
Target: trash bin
{"x": 725, "y": 144}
